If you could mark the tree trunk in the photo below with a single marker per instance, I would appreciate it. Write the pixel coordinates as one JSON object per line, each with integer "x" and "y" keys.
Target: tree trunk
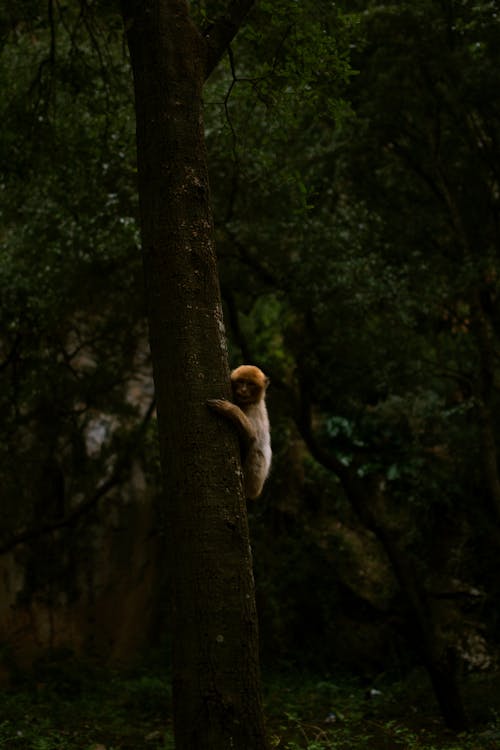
{"x": 216, "y": 684}
{"x": 437, "y": 655}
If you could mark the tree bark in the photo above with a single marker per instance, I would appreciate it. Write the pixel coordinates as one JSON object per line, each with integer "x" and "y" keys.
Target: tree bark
{"x": 216, "y": 684}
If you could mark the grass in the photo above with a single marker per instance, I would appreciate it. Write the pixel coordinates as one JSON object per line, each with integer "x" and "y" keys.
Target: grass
{"x": 342, "y": 715}
{"x": 66, "y": 707}
{"x": 86, "y": 711}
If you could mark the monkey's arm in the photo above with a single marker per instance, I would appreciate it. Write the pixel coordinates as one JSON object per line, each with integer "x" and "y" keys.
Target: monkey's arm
{"x": 244, "y": 427}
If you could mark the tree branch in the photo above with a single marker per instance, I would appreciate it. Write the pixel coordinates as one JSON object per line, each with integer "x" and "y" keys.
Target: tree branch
{"x": 29, "y": 535}
{"x": 73, "y": 516}
{"x": 219, "y": 35}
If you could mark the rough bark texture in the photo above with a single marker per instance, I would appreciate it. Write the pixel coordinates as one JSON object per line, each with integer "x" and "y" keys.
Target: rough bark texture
{"x": 215, "y": 652}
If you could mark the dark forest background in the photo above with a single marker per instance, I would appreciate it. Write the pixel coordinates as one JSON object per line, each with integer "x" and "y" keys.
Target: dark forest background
{"x": 355, "y": 163}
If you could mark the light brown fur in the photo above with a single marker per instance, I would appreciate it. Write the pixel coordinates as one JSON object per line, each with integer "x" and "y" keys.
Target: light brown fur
{"x": 249, "y": 415}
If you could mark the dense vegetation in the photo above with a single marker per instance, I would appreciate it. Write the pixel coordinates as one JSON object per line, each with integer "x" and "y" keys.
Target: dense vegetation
{"x": 355, "y": 171}
{"x": 73, "y": 708}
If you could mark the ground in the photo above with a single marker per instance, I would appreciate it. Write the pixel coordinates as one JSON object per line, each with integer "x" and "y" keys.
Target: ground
{"x": 68, "y": 706}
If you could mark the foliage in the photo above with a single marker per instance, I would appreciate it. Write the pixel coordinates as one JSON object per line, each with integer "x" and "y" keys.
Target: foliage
{"x": 73, "y": 706}
{"x": 327, "y": 714}
{"x": 378, "y": 223}
{"x": 76, "y": 707}
{"x": 354, "y": 166}
{"x": 69, "y": 339}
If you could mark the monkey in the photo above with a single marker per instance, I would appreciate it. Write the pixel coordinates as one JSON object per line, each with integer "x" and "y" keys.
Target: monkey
{"x": 249, "y": 415}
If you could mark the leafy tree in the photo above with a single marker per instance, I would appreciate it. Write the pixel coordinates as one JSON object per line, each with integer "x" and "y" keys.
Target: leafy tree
{"x": 70, "y": 343}
{"x": 383, "y": 248}
{"x": 358, "y": 256}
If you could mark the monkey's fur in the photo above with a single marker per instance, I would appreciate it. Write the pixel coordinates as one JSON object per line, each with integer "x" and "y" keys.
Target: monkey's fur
{"x": 249, "y": 415}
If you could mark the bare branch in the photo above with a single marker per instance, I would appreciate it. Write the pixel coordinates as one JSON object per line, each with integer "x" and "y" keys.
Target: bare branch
{"x": 73, "y": 516}
{"x": 219, "y": 35}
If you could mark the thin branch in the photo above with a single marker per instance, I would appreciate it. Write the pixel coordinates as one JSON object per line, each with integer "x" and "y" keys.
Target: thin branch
{"x": 12, "y": 353}
{"x": 37, "y": 83}
{"x": 265, "y": 274}
{"x": 219, "y": 35}
{"x": 70, "y": 519}
{"x": 73, "y": 516}
{"x": 234, "y": 141}
{"x": 226, "y": 102}
{"x": 234, "y": 323}
{"x": 52, "y": 54}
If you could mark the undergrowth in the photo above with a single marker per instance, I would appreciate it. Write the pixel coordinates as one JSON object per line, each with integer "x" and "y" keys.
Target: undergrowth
{"x": 65, "y": 706}
{"x": 343, "y": 715}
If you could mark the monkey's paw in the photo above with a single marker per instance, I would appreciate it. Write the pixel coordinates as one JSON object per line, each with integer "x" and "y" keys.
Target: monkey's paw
{"x": 218, "y": 404}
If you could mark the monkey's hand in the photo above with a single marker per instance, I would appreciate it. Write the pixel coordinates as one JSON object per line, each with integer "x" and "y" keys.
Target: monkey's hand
{"x": 234, "y": 414}
{"x": 220, "y": 405}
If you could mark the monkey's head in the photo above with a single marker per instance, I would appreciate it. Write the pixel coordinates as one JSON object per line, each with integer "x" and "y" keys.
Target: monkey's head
{"x": 249, "y": 385}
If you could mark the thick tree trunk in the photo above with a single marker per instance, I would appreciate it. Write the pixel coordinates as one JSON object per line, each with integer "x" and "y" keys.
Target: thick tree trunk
{"x": 217, "y": 700}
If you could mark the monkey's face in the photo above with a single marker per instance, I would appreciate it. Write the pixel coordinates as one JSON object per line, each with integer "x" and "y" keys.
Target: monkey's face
{"x": 246, "y": 391}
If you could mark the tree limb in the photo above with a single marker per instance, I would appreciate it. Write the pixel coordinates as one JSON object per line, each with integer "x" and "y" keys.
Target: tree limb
{"x": 73, "y": 516}
{"x": 219, "y": 35}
